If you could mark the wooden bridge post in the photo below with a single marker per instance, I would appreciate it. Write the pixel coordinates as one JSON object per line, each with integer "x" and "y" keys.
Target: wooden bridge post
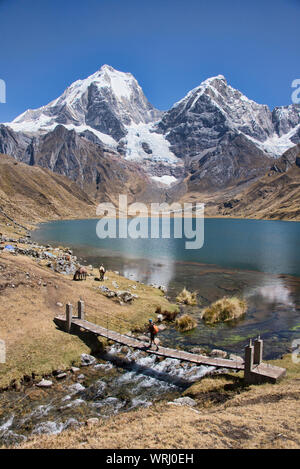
{"x": 248, "y": 362}
{"x": 69, "y": 311}
{"x": 81, "y": 309}
{"x": 258, "y": 351}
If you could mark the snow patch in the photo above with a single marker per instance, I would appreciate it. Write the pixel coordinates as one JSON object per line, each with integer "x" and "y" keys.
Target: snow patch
{"x": 139, "y": 134}
{"x": 275, "y": 146}
{"x": 167, "y": 180}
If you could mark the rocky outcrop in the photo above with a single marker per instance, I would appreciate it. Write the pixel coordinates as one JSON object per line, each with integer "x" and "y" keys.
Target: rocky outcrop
{"x": 287, "y": 160}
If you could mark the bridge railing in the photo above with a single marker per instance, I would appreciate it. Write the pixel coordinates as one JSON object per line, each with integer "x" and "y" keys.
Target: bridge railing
{"x": 115, "y": 323}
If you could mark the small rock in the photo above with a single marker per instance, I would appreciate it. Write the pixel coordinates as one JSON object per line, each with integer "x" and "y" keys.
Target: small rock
{"x": 74, "y": 369}
{"x": 76, "y": 387}
{"x": 61, "y": 376}
{"x": 59, "y": 304}
{"x": 92, "y": 421}
{"x": 81, "y": 377}
{"x": 44, "y": 383}
{"x": 87, "y": 360}
{"x": 218, "y": 353}
{"x": 162, "y": 327}
{"x": 125, "y": 296}
{"x": 184, "y": 401}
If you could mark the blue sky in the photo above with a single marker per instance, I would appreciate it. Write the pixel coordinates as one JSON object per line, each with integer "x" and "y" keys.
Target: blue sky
{"x": 169, "y": 45}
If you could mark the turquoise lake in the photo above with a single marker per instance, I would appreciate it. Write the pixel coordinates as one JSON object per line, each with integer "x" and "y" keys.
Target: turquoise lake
{"x": 256, "y": 259}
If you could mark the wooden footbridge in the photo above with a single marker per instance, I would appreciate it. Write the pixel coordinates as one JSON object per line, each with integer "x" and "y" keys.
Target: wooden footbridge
{"x": 255, "y": 370}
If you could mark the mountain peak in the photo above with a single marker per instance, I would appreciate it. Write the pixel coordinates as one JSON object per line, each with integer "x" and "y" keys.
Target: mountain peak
{"x": 215, "y": 79}
{"x": 109, "y": 69}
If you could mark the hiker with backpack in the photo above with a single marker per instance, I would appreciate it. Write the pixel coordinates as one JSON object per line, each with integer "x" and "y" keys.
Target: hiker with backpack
{"x": 153, "y": 330}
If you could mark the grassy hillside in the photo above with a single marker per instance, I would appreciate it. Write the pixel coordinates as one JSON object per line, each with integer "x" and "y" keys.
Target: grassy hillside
{"x": 31, "y": 294}
{"x": 276, "y": 195}
{"x": 31, "y": 193}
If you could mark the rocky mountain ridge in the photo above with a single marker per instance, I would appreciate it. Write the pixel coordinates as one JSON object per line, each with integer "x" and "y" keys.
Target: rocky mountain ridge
{"x": 213, "y": 138}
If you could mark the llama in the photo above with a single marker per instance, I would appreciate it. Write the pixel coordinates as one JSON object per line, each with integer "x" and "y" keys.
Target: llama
{"x": 80, "y": 274}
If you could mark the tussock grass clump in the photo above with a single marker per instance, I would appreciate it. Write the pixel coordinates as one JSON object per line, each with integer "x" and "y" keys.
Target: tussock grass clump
{"x": 187, "y": 298}
{"x": 168, "y": 315}
{"x": 185, "y": 323}
{"x": 225, "y": 309}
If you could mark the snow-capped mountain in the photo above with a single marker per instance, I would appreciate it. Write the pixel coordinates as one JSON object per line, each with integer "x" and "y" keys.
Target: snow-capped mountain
{"x": 224, "y": 137}
{"x": 105, "y": 102}
{"x": 214, "y": 137}
{"x": 214, "y": 107}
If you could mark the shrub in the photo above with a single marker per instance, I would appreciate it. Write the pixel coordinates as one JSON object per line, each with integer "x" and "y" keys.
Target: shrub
{"x": 225, "y": 309}
{"x": 187, "y": 298}
{"x": 185, "y": 323}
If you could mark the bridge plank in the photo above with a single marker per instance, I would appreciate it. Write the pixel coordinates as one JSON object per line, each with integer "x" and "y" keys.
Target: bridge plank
{"x": 162, "y": 351}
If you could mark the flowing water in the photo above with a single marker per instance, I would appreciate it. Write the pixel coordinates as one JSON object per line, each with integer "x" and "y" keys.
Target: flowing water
{"x": 107, "y": 389}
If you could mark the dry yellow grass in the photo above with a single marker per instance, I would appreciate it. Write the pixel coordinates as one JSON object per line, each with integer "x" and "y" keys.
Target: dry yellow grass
{"x": 187, "y": 298}
{"x": 265, "y": 416}
{"x": 30, "y": 194}
{"x": 33, "y": 341}
{"x": 185, "y": 323}
{"x": 225, "y": 309}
